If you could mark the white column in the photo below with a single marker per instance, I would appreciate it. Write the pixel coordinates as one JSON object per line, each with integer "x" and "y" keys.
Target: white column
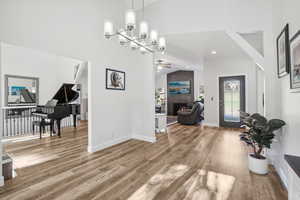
{"x": 1, "y": 115}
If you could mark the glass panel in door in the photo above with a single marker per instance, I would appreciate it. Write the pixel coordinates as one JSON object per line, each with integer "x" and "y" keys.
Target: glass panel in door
{"x": 232, "y": 101}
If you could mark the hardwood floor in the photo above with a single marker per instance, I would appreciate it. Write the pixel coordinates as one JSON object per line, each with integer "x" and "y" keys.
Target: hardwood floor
{"x": 191, "y": 162}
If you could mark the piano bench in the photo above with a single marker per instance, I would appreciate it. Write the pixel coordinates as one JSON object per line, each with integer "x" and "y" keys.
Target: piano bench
{"x": 42, "y": 126}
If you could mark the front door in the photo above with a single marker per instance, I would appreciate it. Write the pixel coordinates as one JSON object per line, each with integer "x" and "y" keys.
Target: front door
{"x": 231, "y": 100}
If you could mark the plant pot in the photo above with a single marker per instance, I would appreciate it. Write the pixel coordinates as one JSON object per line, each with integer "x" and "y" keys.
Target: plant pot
{"x": 258, "y": 166}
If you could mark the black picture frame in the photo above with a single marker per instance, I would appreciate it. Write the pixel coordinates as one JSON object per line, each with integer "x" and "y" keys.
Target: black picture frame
{"x": 295, "y": 87}
{"x": 283, "y": 37}
{"x": 108, "y": 71}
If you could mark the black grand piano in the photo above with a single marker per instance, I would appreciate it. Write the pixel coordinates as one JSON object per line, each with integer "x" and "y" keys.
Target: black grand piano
{"x": 60, "y": 107}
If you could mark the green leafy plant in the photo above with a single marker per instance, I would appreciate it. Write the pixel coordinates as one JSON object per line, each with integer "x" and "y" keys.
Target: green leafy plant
{"x": 200, "y": 98}
{"x": 259, "y": 133}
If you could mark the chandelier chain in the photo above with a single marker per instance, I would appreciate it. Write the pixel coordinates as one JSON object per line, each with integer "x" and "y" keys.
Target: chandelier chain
{"x": 143, "y": 9}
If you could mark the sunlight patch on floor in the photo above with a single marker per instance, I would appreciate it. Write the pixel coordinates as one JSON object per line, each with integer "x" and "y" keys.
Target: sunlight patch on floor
{"x": 32, "y": 159}
{"x": 159, "y": 181}
{"x": 207, "y": 185}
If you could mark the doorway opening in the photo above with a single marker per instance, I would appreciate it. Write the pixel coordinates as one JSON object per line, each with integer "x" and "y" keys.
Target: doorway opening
{"x": 44, "y": 107}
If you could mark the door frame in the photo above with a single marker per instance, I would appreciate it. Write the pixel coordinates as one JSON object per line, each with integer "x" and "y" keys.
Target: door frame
{"x": 218, "y": 93}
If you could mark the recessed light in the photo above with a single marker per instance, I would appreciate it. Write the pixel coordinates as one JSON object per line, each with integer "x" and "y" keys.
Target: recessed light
{"x": 213, "y": 52}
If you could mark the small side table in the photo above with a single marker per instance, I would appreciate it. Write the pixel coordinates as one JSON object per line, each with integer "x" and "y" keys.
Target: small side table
{"x": 160, "y": 123}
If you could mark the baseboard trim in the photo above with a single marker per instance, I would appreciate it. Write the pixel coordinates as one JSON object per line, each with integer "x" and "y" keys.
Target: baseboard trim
{"x": 105, "y": 145}
{"x": 1, "y": 181}
{"x": 144, "y": 138}
{"x": 93, "y": 149}
{"x": 172, "y": 123}
{"x": 281, "y": 172}
{"x": 283, "y": 177}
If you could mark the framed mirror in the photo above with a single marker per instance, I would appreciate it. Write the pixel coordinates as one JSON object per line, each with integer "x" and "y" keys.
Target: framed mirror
{"x": 21, "y": 90}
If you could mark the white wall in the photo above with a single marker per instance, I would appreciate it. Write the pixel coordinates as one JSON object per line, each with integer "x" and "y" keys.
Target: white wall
{"x": 288, "y": 140}
{"x": 1, "y": 128}
{"x": 260, "y": 90}
{"x": 51, "y": 70}
{"x": 141, "y": 86}
{"x": 198, "y": 81}
{"x": 290, "y": 101}
{"x": 161, "y": 81}
{"x": 52, "y": 26}
{"x": 213, "y": 69}
{"x": 82, "y": 79}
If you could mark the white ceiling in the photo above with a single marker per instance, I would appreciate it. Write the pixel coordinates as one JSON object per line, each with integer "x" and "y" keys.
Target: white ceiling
{"x": 194, "y": 47}
{"x": 175, "y": 64}
{"x": 173, "y": 67}
{"x": 138, "y": 4}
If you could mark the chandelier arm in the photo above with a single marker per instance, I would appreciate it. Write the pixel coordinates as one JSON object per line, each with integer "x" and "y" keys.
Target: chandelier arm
{"x": 129, "y": 34}
{"x": 150, "y": 45}
{"x": 112, "y": 35}
{"x": 136, "y": 42}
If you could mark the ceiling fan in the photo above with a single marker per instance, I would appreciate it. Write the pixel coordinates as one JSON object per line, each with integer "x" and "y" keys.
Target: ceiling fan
{"x": 163, "y": 64}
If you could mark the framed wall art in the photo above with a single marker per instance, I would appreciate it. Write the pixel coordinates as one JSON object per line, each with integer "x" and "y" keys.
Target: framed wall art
{"x": 115, "y": 80}
{"x": 295, "y": 63}
{"x": 283, "y": 52}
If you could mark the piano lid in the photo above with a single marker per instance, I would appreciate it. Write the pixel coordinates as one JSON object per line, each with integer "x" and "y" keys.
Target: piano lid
{"x": 66, "y": 94}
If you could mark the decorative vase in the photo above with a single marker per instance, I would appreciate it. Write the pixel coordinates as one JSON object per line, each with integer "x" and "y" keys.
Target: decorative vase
{"x": 258, "y": 166}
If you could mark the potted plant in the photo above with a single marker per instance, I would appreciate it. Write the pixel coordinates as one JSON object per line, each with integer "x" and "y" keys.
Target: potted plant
{"x": 258, "y": 134}
{"x": 200, "y": 99}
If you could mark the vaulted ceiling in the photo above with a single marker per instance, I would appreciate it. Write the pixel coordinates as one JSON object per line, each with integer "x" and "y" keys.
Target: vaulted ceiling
{"x": 138, "y": 4}
{"x": 195, "y": 47}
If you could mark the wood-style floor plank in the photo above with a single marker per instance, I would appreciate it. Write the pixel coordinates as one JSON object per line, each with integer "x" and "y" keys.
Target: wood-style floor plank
{"x": 190, "y": 162}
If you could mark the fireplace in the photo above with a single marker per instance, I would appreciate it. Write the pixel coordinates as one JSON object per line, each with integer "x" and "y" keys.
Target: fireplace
{"x": 177, "y": 107}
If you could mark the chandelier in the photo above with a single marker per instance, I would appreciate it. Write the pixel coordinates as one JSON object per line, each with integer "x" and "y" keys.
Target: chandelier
{"x": 128, "y": 35}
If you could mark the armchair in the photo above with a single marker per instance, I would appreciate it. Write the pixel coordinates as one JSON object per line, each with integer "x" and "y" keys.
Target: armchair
{"x": 193, "y": 116}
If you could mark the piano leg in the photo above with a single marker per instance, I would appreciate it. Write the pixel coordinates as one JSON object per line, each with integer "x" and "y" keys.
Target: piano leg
{"x": 51, "y": 127}
{"x": 58, "y": 127}
{"x": 74, "y": 121}
{"x": 33, "y": 129}
{"x": 41, "y": 127}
